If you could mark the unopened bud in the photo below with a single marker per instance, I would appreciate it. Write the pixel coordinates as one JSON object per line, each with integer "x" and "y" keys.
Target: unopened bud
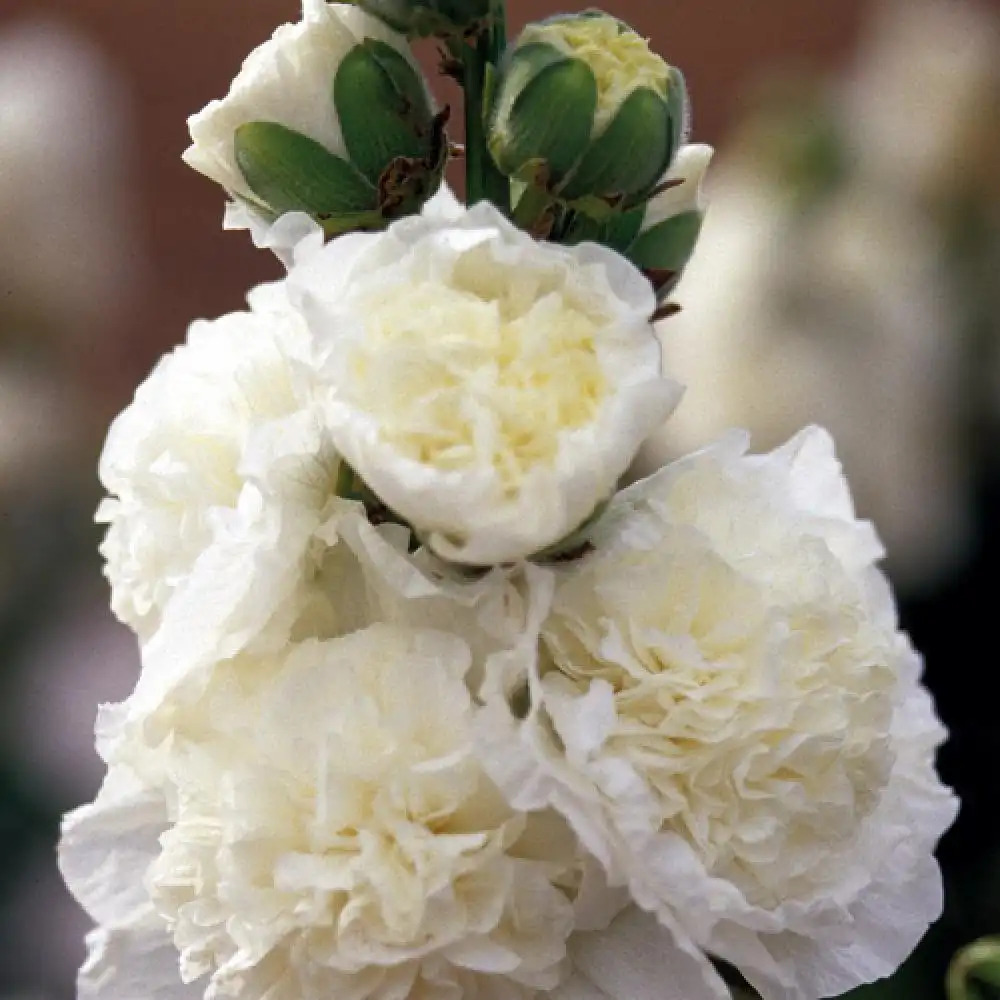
{"x": 586, "y": 110}
{"x": 330, "y": 117}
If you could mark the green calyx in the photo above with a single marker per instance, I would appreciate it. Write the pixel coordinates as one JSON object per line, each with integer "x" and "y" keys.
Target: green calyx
{"x": 630, "y": 155}
{"x": 396, "y": 149}
{"x": 663, "y": 251}
{"x": 544, "y": 116}
{"x": 289, "y": 172}
{"x": 383, "y": 109}
{"x": 668, "y": 245}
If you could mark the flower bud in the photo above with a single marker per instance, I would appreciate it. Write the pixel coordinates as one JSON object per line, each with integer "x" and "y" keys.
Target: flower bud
{"x": 586, "y": 110}
{"x": 978, "y": 963}
{"x": 440, "y": 18}
{"x": 671, "y": 220}
{"x": 330, "y": 117}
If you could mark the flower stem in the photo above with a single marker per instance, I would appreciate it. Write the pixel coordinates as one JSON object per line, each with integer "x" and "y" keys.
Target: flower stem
{"x": 479, "y": 62}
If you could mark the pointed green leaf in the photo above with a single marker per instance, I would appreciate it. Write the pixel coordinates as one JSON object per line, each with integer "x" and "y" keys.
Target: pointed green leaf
{"x": 550, "y": 118}
{"x": 383, "y": 108}
{"x": 669, "y": 245}
{"x": 632, "y": 153}
{"x": 291, "y": 172}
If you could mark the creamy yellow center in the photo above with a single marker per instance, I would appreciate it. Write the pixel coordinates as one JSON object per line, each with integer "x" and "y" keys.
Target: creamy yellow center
{"x": 485, "y": 370}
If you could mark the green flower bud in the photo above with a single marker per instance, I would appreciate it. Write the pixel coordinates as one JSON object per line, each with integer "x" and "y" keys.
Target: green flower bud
{"x": 330, "y": 117}
{"x": 586, "y": 110}
{"x": 671, "y": 220}
{"x": 974, "y": 966}
{"x": 439, "y": 18}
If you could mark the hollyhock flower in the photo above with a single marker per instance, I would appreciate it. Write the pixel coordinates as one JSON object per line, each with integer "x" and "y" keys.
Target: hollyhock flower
{"x": 219, "y": 472}
{"x": 724, "y": 710}
{"x": 488, "y": 388}
{"x": 318, "y": 824}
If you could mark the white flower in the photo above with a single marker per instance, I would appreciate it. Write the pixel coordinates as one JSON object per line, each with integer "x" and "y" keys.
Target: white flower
{"x": 219, "y": 472}
{"x": 741, "y": 734}
{"x": 489, "y": 389}
{"x": 324, "y": 829}
{"x": 685, "y": 177}
{"x": 289, "y": 81}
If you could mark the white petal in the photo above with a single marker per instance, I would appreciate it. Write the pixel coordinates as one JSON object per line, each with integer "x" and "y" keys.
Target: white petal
{"x": 106, "y": 847}
{"x": 137, "y": 962}
{"x": 292, "y": 232}
{"x": 636, "y": 959}
{"x": 689, "y": 168}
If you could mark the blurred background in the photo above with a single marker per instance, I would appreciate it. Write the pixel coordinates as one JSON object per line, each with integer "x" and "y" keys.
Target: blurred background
{"x": 849, "y": 274}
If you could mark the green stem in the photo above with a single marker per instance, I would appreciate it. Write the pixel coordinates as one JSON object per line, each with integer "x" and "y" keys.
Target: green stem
{"x": 473, "y": 81}
{"x": 479, "y": 61}
{"x": 498, "y": 32}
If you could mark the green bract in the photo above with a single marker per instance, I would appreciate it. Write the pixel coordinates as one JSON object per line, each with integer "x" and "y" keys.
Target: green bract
{"x": 421, "y": 18}
{"x": 394, "y": 143}
{"x": 665, "y": 231}
{"x": 587, "y": 111}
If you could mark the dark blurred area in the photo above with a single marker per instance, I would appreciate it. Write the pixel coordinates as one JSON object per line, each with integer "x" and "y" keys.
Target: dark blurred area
{"x": 849, "y": 274}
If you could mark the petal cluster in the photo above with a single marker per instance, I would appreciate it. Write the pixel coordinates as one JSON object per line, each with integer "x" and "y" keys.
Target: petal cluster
{"x": 490, "y": 389}
{"x": 395, "y": 738}
{"x": 220, "y": 471}
{"x": 724, "y": 709}
{"x": 334, "y": 833}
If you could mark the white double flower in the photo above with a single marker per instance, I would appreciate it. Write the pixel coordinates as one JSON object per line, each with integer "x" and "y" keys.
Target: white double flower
{"x": 490, "y": 389}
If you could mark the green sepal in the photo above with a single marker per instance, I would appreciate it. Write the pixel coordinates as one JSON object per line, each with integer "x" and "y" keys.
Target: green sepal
{"x": 383, "y": 108}
{"x": 290, "y": 172}
{"x": 620, "y": 231}
{"x": 630, "y": 155}
{"x": 545, "y": 114}
{"x": 581, "y": 228}
{"x": 668, "y": 246}
{"x": 352, "y": 222}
